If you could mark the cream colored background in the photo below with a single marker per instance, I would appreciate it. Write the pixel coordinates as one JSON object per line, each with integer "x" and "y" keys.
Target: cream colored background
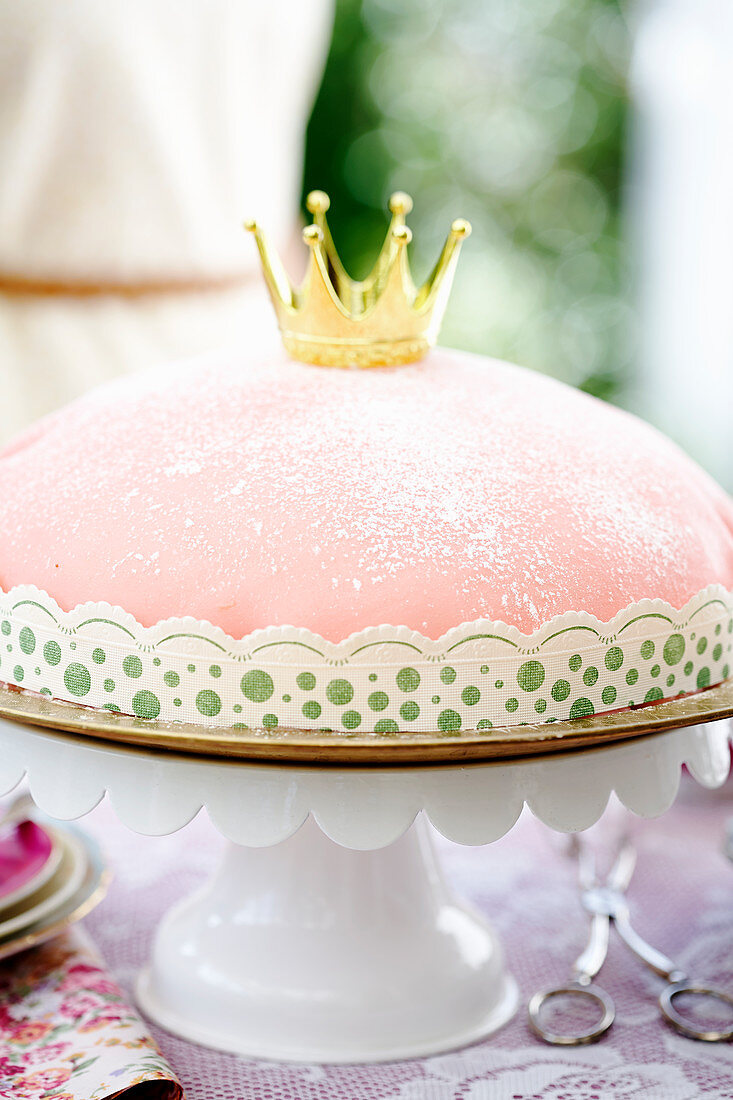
{"x": 135, "y": 136}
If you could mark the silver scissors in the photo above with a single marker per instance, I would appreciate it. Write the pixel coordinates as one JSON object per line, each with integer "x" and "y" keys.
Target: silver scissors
{"x": 606, "y": 903}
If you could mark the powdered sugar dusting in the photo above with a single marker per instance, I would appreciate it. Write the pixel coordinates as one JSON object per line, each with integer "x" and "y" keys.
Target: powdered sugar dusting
{"x": 261, "y": 493}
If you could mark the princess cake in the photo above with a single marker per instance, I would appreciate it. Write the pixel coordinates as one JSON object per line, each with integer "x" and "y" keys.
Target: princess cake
{"x": 429, "y": 541}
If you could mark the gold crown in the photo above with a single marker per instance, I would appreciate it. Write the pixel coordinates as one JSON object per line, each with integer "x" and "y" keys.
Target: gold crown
{"x": 334, "y": 320}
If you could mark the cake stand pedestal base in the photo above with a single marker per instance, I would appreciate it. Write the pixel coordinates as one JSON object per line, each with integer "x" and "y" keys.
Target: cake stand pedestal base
{"x": 310, "y": 951}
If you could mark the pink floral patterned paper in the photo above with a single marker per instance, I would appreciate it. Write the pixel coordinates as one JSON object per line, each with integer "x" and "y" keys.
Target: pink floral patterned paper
{"x": 68, "y": 1033}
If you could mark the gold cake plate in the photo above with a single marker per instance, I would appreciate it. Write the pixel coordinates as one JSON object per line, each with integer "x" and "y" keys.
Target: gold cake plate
{"x": 294, "y": 746}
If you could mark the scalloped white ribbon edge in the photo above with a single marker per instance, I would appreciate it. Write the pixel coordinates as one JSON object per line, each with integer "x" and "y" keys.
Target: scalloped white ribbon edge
{"x": 382, "y": 679}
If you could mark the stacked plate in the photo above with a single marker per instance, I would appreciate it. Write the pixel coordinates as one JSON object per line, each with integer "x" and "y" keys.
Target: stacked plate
{"x": 50, "y": 877}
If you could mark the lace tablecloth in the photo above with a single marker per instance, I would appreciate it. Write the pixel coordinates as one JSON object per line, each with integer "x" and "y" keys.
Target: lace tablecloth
{"x": 681, "y": 897}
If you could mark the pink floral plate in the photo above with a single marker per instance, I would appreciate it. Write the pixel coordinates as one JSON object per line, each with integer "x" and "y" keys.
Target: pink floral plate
{"x": 29, "y": 856}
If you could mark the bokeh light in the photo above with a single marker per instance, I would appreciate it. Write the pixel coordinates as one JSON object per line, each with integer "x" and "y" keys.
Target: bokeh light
{"x": 510, "y": 113}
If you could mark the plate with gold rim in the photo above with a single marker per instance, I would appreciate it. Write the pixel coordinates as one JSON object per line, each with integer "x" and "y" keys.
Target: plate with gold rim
{"x": 30, "y": 856}
{"x": 54, "y": 893}
{"x": 89, "y": 892}
{"x": 294, "y": 746}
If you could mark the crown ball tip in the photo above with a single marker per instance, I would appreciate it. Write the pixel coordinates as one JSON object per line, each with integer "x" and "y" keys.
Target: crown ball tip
{"x": 250, "y": 225}
{"x": 318, "y": 202}
{"x": 312, "y": 235}
{"x": 461, "y": 228}
{"x": 400, "y": 203}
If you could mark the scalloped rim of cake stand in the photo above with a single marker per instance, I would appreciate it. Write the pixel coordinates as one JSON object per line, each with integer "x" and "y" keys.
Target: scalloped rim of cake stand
{"x": 258, "y": 804}
{"x": 307, "y": 747}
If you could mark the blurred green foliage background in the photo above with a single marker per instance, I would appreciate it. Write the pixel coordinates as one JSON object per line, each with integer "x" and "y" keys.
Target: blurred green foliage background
{"x": 510, "y": 113}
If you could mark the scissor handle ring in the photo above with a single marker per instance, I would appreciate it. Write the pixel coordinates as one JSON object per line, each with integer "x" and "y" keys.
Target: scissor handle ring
{"x": 679, "y": 1023}
{"x": 589, "y": 992}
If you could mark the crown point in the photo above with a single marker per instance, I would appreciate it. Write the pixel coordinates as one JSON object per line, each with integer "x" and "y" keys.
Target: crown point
{"x": 317, "y": 202}
{"x": 461, "y": 228}
{"x": 312, "y": 235}
{"x": 400, "y": 203}
{"x": 250, "y": 225}
{"x": 402, "y": 234}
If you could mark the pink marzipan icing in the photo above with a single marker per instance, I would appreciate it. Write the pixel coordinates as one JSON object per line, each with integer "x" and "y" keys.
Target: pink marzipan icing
{"x": 254, "y": 494}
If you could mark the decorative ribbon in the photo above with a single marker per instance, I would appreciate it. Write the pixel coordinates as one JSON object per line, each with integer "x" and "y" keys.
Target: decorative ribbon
{"x": 382, "y": 680}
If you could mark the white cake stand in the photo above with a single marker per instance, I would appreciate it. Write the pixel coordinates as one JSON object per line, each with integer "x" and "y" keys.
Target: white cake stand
{"x": 328, "y": 934}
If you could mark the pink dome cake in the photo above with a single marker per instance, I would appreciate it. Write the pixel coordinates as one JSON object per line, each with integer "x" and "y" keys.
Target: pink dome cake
{"x": 449, "y": 544}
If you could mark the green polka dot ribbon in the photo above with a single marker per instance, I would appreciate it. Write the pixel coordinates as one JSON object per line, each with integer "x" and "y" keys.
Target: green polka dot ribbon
{"x": 382, "y": 682}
